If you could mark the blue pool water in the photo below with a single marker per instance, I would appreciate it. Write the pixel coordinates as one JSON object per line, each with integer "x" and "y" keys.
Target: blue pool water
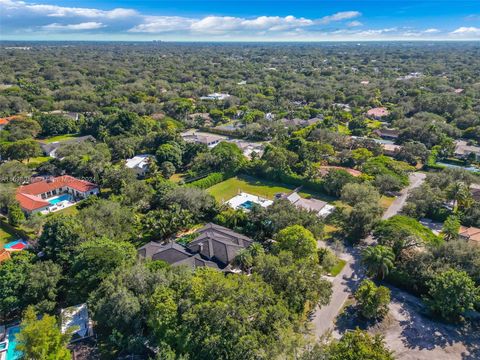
{"x": 247, "y": 205}
{"x": 468, "y": 168}
{"x": 12, "y": 354}
{"x": 60, "y": 198}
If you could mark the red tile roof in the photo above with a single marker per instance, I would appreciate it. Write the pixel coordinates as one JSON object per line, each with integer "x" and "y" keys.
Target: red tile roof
{"x": 378, "y": 112}
{"x": 470, "y": 233}
{"x": 27, "y": 195}
{"x": 4, "y": 255}
{"x": 43, "y": 186}
{"x": 6, "y": 120}
{"x": 30, "y": 202}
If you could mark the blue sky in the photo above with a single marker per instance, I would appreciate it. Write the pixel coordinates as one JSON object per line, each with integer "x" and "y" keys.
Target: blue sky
{"x": 228, "y": 20}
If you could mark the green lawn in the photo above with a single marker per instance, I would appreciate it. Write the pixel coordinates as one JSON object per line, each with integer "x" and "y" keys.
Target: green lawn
{"x": 36, "y": 161}
{"x": 342, "y": 129}
{"x": 267, "y": 189}
{"x": 58, "y": 138}
{"x": 72, "y": 210}
{"x": 6, "y": 235}
{"x": 177, "y": 177}
{"x": 336, "y": 269}
{"x": 386, "y": 201}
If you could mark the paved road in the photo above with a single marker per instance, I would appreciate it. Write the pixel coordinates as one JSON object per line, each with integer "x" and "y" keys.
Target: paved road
{"x": 345, "y": 282}
{"x": 416, "y": 179}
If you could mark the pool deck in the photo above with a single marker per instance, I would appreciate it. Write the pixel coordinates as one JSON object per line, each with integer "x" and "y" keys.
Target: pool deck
{"x": 9, "y": 353}
{"x": 59, "y": 205}
{"x": 237, "y": 201}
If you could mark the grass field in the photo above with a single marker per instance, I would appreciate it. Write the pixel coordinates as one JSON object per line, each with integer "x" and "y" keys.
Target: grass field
{"x": 267, "y": 189}
{"x": 386, "y": 201}
{"x": 35, "y": 161}
{"x": 335, "y": 270}
{"x": 177, "y": 177}
{"x": 58, "y": 138}
{"x": 6, "y": 236}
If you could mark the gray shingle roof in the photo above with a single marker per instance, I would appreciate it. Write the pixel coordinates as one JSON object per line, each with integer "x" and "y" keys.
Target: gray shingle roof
{"x": 215, "y": 246}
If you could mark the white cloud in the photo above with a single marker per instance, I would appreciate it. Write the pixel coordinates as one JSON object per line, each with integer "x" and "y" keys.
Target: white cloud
{"x": 466, "y": 32}
{"x": 431, "y": 31}
{"x": 15, "y": 6}
{"x": 92, "y": 25}
{"x": 220, "y": 24}
{"x": 354, "y": 23}
{"x": 263, "y": 23}
{"x": 344, "y": 15}
{"x": 160, "y": 24}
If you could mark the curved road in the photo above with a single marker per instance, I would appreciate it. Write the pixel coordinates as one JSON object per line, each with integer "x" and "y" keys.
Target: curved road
{"x": 345, "y": 282}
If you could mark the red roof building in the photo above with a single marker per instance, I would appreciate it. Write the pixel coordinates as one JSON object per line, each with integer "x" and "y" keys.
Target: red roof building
{"x": 6, "y": 120}
{"x": 378, "y": 112}
{"x": 34, "y": 197}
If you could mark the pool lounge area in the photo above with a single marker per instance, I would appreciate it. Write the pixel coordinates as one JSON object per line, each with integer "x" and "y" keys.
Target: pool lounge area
{"x": 8, "y": 345}
{"x": 245, "y": 201}
{"x": 55, "y": 200}
{"x": 59, "y": 203}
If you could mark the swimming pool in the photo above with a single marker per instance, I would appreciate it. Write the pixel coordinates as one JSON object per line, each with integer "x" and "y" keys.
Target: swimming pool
{"x": 12, "y": 354}
{"x": 247, "y": 205}
{"x": 57, "y": 199}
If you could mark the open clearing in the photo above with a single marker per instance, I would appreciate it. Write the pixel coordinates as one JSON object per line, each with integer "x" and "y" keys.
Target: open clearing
{"x": 412, "y": 335}
{"x": 58, "y": 138}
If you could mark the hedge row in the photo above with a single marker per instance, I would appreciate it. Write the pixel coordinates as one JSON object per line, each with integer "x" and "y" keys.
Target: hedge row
{"x": 208, "y": 181}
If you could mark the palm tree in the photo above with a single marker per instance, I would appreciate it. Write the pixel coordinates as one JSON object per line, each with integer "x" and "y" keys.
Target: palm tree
{"x": 244, "y": 260}
{"x": 256, "y": 249}
{"x": 459, "y": 193}
{"x": 379, "y": 260}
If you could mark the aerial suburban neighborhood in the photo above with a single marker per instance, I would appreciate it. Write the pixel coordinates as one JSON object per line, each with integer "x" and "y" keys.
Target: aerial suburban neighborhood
{"x": 293, "y": 180}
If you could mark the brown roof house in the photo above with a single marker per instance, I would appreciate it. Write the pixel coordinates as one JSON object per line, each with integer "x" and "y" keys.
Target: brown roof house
{"x": 215, "y": 246}
{"x": 388, "y": 134}
{"x": 475, "y": 191}
{"x": 471, "y": 234}
{"x": 463, "y": 150}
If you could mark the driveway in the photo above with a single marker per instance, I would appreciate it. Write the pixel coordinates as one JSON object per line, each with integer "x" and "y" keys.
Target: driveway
{"x": 415, "y": 179}
{"x": 344, "y": 284}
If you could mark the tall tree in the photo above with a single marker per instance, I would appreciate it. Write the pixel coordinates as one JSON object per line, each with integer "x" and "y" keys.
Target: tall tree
{"x": 379, "y": 260}
{"x": 451, "y": 293}
{"x": 42, "y": 338}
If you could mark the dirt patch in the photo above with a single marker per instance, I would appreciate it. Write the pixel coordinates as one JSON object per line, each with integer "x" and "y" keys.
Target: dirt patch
{"x": 413, "y": 335}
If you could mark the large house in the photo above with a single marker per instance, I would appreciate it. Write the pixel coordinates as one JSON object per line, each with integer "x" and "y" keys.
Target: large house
{"x": 53, "y": 193}
{"x": 70, "y": 114}
{"x": 471, "y": 234}
{"x": 215, "y": 96}
{"x": 296, "y": 122}
{"x": 214, "y": 246}
{"x": 76, "y": 319}
{"x": 388, "y": 134}
{"x": 211, "y": 140}
{"x": 378, "y": 113}
{"x": 6, "y": 120}
{"x": 140, "y": 164}
{"x": 321, "y": 208}
{"x": 463, "y": 150}
{"x": 50, "y": 149}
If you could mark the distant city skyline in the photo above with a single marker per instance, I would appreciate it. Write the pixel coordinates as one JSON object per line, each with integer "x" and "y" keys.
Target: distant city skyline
{"x": 341, "y": 20}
